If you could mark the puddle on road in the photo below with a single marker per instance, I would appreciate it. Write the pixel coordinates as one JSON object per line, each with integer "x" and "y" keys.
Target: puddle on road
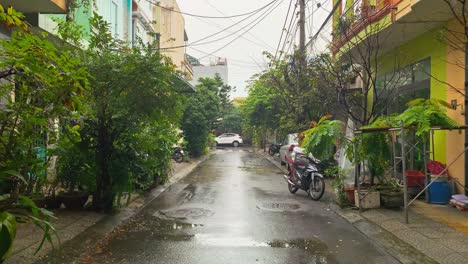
{"x": 184, "y": 214}
{"x": 231, "y": 241}
{"x": 279, "y": 206}
{"x": 315, "y": 248}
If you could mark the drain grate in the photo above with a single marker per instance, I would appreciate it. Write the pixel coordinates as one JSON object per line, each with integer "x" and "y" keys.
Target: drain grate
{"x": 278, "y": 206}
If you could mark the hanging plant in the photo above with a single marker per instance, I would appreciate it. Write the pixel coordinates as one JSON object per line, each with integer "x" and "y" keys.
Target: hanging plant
{"x": 422, "y": 114}
{"x": 322, "y": 138}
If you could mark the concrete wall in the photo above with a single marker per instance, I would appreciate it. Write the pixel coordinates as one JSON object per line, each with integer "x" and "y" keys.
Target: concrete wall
{"x": 202, "y": 71}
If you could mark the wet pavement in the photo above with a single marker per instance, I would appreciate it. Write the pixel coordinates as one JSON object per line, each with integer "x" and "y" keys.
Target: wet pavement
{"x": 235, "y": 208}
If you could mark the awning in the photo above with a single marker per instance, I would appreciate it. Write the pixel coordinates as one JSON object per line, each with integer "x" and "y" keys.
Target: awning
{"x": 182, "y": 86}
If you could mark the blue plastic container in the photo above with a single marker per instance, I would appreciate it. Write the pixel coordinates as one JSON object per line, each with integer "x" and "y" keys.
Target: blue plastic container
{"x": 439, "y": 192}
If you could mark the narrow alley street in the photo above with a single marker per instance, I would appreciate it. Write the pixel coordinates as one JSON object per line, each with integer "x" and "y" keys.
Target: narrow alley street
{"x": 235, "y": 208}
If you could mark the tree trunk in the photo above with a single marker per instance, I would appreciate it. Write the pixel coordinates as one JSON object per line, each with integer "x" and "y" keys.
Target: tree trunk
{"x": 104, "y": 197}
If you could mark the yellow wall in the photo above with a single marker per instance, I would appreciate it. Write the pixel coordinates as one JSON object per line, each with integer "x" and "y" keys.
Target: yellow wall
{"x": 171, "y": 26}
{"x": 456, "y": 80}
{"x": 447, "y": 70}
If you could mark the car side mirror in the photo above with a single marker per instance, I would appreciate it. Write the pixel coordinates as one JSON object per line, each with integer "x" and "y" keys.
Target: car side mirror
{"x": 291, "y": 148}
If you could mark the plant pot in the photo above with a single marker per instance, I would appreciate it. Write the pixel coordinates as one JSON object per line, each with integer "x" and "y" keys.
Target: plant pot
{"x": 350, "y": 194}
{"x": 370, "y": 199}
{"x": 391, "y": 199}
{"x": 52, "y": 202}
{"x": 39, "y": 201}
{"x": 74, "y": 201}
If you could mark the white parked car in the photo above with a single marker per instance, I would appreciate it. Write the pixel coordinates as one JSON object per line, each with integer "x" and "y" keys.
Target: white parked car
{"x": 229, "y": 139}
{"x": 291, "y": 139}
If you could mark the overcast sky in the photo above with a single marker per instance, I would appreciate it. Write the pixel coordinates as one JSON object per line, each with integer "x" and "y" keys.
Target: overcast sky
{"x": 244, "y": 54}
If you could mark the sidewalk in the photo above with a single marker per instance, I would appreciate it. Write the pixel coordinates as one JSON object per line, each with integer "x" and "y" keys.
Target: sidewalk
{"x": 435, "y": 233}
{"x": 435, "y": 239}
{"x": 87, "y": 225}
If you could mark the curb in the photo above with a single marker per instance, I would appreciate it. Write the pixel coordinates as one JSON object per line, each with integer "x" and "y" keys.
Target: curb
{"x": 74, "y": 248}
{"x": 384, "y": 241}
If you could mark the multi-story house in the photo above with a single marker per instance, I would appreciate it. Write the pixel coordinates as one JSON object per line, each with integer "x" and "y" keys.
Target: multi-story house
{"x": 33, "y": 9}
{"x": 170, "y": 27}
{"x": 117, "y": 13}
{"x": 422, "y": 42}
{"x": 142, "y": 21}
{"x": 128, "y": 20}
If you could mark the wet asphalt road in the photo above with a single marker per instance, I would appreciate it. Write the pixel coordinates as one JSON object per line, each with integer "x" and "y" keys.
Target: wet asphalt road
{"x": 236, "y": 208}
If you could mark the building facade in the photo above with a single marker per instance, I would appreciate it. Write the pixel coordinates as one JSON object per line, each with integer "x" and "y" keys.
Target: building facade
{"x": 142, "y": 21}
{"x": 131, "y": 21}
{"x": 170, "y": 26}
{"x": 217, "y": 67}
{"x": 422, "y": 42}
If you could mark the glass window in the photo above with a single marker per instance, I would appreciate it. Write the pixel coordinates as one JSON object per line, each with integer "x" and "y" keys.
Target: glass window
{"x": 404, "y": 85}
{"x": 422, "y": 70}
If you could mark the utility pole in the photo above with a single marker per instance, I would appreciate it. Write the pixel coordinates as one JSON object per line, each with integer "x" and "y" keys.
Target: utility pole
{"x": 302, "y": 35}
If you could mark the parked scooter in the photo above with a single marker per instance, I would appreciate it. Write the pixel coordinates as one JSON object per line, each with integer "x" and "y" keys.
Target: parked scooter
{"x": 274, "y": 149}
{"x": 178, "y": 154}
{"x": 304, "y": 174}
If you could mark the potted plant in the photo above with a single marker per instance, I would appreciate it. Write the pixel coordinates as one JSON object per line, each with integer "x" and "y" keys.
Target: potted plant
{"x": 51, "y": 199}
{"x": 338, "y": 184}
{"x": 38, "y": 199}
{"x": 391, "y": 193}
{"x": 75, "y": 174}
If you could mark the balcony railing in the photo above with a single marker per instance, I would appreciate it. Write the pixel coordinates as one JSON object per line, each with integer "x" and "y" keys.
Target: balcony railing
{"x": 365, "y": 12}
{"x": 187, "y": 69}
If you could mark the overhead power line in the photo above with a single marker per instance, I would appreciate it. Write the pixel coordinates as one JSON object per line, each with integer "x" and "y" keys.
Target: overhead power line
{"x": 335, "y": 7}
{"x": 265, "y": 15}
{"x": 229, "y": 59}
{"x": 284, "y": 26}
{"x": 288, "y": 32}
{"x": 211, "y": 17}
{"x": 249, "y": 33}
{"x": 197, "y": 42}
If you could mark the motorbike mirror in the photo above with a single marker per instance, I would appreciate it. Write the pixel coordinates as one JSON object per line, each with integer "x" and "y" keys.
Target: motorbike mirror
{"x": 291, "y": 148}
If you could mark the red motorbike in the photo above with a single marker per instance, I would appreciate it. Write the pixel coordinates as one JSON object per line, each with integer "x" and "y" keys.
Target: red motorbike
{"x": 304, "y": 174}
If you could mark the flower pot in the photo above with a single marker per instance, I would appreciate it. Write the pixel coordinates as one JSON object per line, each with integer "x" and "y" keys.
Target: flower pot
{"x": 52, "y": 202}
{"x": 350, "y": 194}
{"x": 370, "y": 199}
{"x": 391, "y": 199}
{"x": 74, "y": 201}
{"x": 39, "y": 201}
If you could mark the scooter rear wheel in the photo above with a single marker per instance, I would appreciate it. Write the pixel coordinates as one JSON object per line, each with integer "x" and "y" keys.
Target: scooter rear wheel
{"x": 178, "y": 157}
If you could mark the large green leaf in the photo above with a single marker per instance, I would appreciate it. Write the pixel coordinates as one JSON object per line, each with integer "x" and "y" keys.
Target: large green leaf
{"x": 7, "y": 233}
{"x": 15, "y": 174}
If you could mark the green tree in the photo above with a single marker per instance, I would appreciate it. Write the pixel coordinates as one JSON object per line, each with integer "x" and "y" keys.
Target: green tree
{"x": 260, "y": 111}
{"x": 200, "y": 116}
{"x": 232, "y": 120}
{"x": 40, "y": 83}
{"x": 134, "y": 108}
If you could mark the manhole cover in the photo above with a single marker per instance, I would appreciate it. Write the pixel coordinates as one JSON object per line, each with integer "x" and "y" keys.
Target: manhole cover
{"x": 193, "y": 213}
{"x": 279, "y": 206}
